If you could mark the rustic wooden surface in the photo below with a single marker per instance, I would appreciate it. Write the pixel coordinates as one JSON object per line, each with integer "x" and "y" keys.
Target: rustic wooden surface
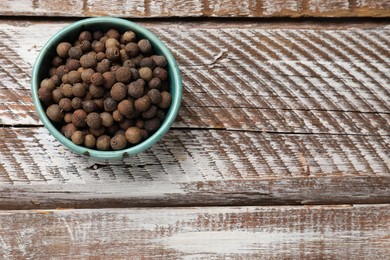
{"x": 277, "y": 115}
{"x": 198, "y": 8}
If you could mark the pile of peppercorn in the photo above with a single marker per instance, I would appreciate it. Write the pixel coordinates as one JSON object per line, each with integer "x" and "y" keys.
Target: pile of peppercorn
{"x": 107, "y": 91}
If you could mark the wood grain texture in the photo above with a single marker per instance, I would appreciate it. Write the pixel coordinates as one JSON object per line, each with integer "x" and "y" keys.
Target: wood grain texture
{"x": 198, "y": 8}
{"x": 249, "y": 78}
{"x": 315, "y": 232}
{"x": 197, "y": 167}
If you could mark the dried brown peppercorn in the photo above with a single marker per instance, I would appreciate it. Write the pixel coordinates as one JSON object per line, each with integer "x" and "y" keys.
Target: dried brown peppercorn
{"x": 57, "y": 61}
{"x": 75, "y": 52}
{"x": 93, "y": 120}
{"x": 115, "y": 67}
{"x": 106, "y": 119}
{"x": 89, "y": 106}
{"x": 110, "y": 104}
{"x": 128, "y": 36}
{"x": 77, "y": 103}
{"x": 150, "y": 113}
{"x": 85, "y": 36}
{"x": 136, "y": 88}
{"x": 118, "y": 91}
{"x": 63, "y": 48}
{"x": 145, "y": 73}
{"x": 79, "y": 90}
{"x": 96, "y": 91}
{"x": 68, "y": 117}
{"x": 112, "y": 53}
{"x": 144, "y": 46}
{"x": 61, "y": 71}
{"x": 74, "y": 76}
{"x": 109, "y": 79}
{"x": 68, "y": 130}
{"x": 56, "y": 80}
{"x": 154, "y": 83}
{"x": 86, "y": 75}
{"x": 103, "y": 39}
{"x": 79, "y": 118}
{"x": 139, "y": 123}
{"x": 147, "y": 62}
{"x": 97, "y": 79}
{"x": 57, "y": 95}
{"x": 118, "y": 142}
{"x": 113, "y": 129}
{"x": 133, "y": 135}
{"x": 123, "y": 74}
{"x": 103, "y": 143}
{"x": 90, "y": 141}
{"x": 160, "y": 73}
{"x": 96, "y": 35}
{"x": 45, "y": 94}
{"x": 142, "y": 104}
{"x": 137, "y": 59}
{"x": 112, "y": 43}
{"x": 98, "y": 46}
{"x": 117, "y": 116}
{"x": 123, "y": 54}
{"x": 65, "y": 104}
{"x": 85, "y": 46}
{"x": 126, "y": 123}
{"x": 129, "y": 63}
{"x": 66, "y": 90}
{"x": 99, "y": 103}
{"x": 72, "y": 64}
{"x": 160, "y": 114}
{"x": 88, "y": 60}
{"x": 103, "y": 66}
{"x": 166, "y": 100}
{"x": 152, "y": 125}
{"x": 132, "y": 49}
{"x": 64, "y": 79}
{"x": 48, "y": 84}
{"x": 160, "y": 60}
{"x": 134, "y": 73}
{"x": 54, "y": 113}
{"x": 126, "y": 108}
{"x": 97, "y": 131}
{"x": 100, "y": 56}
{"x": 155, "y": 96}
{"x": 113, "y": 33}
{"x": 52, "y": 71}
{"x": 77, "y": 137}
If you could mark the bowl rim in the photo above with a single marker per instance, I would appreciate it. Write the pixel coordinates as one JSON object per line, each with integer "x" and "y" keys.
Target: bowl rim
{"x": 156, "y": 42}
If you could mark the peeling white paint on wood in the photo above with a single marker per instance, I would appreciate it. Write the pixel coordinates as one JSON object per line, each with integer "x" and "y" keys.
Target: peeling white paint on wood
{"x": 214, "y": 232}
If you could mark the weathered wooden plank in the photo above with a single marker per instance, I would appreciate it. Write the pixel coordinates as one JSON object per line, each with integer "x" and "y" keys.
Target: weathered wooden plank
{"x": 198, "y": 8}
{"x": 301, "y": 81}
{"x": 310, "y": 232}
{"x": 197, "y": 167}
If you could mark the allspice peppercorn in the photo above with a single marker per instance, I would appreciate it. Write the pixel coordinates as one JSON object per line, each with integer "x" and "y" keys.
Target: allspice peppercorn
{"x": 85, "y": 46}
{"x": 79, "y": 118}
{"x": 144, "y": 46}
{"x": 88, "y": 61}
{"x": 147, "y": 62}
{"x": 113, "y": 33}
{"x": 128, "y": 36}
{"x": 160, "y": 73}
{"x": 77, "y": 103}
{"x": 48, "y": 84}
{"x": 123, "y": 74}
{"x": 97, "y": 79}
{"x": 97, "y": 131}
{"x": 133, "y": 135}
{"x": 126, "y": 108}
{"x": 68, "y": 130}
{"x": 89, "y": 106}
{"x": 142, "y": 104}
{"x": 145, "y": 73}
{"x": 108, "y": 79}
{"x": 154, "y": 83}
{"x": 136, "y": 88}
{"x": 45, "y": 94}
{"x": 96, "y": 91}
{"x": 166, "y": 100}
{"x": 75, "y": 52}
{"x": 103, "y": 66}
{"x": 132, "y": 49}
{"x": 151, "y": 125}
{"x": 106, "y": 119}
{"x": 93, "y": 120}
{"x": 98, "y": 46}
{"x": 65, "y": 104}
{"x": 117, "y": 116}
{"x": 54, "y": 112}
{"x": 78, "y": 137}
{"x": 160, "y": 60}
{"x": 66, "y": 90}
{"x": 86, "y": 75}
{"x": 72, "y": 64}
{"x": 118, "y": 91}
{"x": 118, "y": 142}
{"x": 112, "y": 53}
{"x": 89, "y": 141}
{"x": 63, "y": 48}
{"x": 85, "y": 36}
{"x": 79, "y": 90}
{"x": 103, "y": 143}
{"x": 56, "y": 95}
{"x": 155, "y": 96}
{"x": 110, "y": 104}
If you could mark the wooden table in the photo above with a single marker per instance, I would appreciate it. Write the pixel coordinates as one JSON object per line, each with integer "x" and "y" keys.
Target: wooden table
{"x": 281, "y": 148}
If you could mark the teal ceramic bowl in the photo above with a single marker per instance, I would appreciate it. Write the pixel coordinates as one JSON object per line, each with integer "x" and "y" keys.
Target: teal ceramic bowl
{"x": 70, "y": 33}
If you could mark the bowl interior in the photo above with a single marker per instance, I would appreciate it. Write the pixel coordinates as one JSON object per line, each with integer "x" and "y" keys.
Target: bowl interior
{"x": 70, "y": 34}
